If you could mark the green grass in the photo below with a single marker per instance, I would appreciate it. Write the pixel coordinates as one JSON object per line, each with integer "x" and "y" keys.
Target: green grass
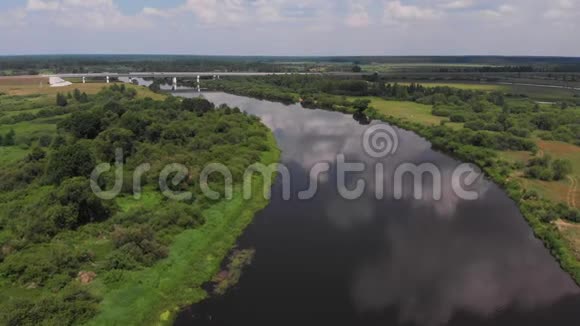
{"x": 410, "y": 111}
{"x": 13, "y": 113}
{"x": 149, "y": 199}
{"x": 17, "y": 104}
{"x": 546, "y": 94}
{"x": 466, "y": 86}
{"x": 26, "y": 130}
{"x": 571, "y": 233}
{"x": 31, "y": 86}
{"x": 400, "y": 67}
{"x": 12, "y": 154}
{"x": 30, "y": 129}
{"x": 557, "y": 191}
{"x": 154, "y": 295}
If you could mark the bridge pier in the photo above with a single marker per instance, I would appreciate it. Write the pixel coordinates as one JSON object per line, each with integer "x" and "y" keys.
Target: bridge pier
{"x": 174, "y": 87}
{"x": 198, "y": 84}
{"x": 108, "y": 80}
{"x": 84, "y": 80}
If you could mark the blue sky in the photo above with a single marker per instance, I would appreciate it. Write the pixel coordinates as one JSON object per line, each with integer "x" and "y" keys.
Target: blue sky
{"x": 292, "y": 27}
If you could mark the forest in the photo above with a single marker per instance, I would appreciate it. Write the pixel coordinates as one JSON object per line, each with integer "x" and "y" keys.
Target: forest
{"x": 66, "y": 253}
{"x": 38, "y": 64}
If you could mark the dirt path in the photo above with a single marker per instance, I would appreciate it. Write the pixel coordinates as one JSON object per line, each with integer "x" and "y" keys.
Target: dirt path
{"x": 571, "y": 199}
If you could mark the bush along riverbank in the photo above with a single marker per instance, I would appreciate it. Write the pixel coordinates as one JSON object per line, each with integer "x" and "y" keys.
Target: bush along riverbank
{"x": 505, "y": 122}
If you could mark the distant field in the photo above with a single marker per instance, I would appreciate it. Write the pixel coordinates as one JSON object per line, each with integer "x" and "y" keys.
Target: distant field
{"x": 538, "y": 93}
{"x": 411, "y": 111}
{"x": 466, "y": 86}
{"x": 548, "y": 94}
{"x": 39, "y": 85}
{"x": 391, "y": 67}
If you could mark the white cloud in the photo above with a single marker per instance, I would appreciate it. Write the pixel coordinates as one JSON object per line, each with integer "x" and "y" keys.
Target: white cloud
{"x": 297, "y": 27}
{"x": 395, "y": 11}
{"x": 500, "y": 12}
{"x": 359, "y": 17}
{"x": 13, "y": 18}
{"x": 86, "y": 14}
{"x": 457, "y": 4}
{"x": 148, "y": 11}
{"x": 232, "y": 12}
{"x": 562, "y": 9}
{"x": 40, "y": 5}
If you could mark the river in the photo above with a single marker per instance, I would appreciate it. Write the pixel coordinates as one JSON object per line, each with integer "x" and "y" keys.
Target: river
{"x": 332, "y": 261}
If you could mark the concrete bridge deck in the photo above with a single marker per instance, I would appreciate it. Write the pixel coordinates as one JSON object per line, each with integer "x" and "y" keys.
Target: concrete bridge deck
{"x": 172, "y": 74}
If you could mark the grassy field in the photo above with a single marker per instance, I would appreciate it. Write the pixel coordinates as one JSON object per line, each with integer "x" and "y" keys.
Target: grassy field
{"x": 547, "y": 94}
{"x": 466, "y": 86}
{"x": 538, "y": 93}
{"x": 12, "y": 154}
{"x": 410, "y": 111}
{"x": 399, "y": 67}
{"x": 39, "y": 86}
{"x": 571, "y": 233}
{"x": 559, "y": 191}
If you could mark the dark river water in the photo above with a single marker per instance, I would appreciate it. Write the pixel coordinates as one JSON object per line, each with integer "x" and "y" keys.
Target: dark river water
{"x": 333, "y": 261}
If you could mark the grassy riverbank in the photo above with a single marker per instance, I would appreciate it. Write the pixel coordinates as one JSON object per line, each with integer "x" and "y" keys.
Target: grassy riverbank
{"x": 153, "y": 296}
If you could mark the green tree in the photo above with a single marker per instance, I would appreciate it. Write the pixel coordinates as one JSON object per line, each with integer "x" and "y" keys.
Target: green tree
{"x": 561, "y": 169}
{"x": 76, "y": 196}
{"x": 85, "y": 124}
{"x": 361, "y": 105}
{"x": 58, "y": 142}
{"x": 197, "y": 105}
{"x": 37, "y": 154}
{"x": 70, "y": 161}
{"x": 111, "y": 139}
{"x": 77, "y": 94}
{"x": 84, "y": 98}
{"x": 61, "y": 100}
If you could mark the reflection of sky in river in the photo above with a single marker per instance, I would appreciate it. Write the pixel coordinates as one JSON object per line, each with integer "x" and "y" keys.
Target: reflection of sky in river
{"x": 433, "y": 259}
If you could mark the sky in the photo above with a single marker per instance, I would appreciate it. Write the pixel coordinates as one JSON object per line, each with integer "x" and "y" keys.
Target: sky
{"x": 291, "y": 27}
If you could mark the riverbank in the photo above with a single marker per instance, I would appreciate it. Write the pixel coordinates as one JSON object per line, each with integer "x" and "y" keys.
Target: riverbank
{"x": 155, "y": 295}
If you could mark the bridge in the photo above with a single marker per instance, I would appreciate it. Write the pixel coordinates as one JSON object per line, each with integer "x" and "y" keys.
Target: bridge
{"x": 503, "y": 78}
{"x": 174, "y": 75}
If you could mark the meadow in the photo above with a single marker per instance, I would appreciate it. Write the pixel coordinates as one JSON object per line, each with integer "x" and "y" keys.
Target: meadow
{"x": 39, "y": 87}
{"x": 409, "y": 111}
{"x": 464, "y": 86}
